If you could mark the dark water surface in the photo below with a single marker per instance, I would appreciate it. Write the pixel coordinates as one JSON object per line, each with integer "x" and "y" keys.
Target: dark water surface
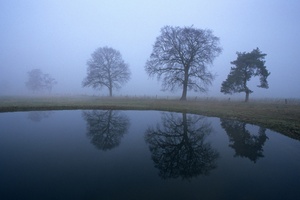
{"x": 143, "y": 155}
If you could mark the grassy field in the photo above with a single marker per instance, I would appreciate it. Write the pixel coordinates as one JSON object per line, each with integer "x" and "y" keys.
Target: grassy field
{"x": 274, "y": 114}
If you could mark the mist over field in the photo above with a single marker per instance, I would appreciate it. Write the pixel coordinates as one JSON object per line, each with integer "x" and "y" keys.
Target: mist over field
{"x": 58, "y": 37}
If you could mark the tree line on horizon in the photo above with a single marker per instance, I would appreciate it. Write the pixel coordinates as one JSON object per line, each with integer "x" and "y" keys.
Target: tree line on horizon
{"x": 180, "y": 58}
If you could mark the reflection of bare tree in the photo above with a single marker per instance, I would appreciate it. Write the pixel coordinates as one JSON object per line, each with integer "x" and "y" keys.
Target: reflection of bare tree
{"x": 242, "y": 141}
{"x": 179, "y": 149}
{"x": 37, "y": 116}
{"x": 105, "y": 128}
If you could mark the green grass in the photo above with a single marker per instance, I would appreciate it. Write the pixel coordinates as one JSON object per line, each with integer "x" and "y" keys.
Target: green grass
{"x": 272, "y": 114}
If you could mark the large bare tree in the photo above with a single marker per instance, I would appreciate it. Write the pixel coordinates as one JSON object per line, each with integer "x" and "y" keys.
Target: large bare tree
{"x": 181, "y": 57}
{"x": 106, "y": 68}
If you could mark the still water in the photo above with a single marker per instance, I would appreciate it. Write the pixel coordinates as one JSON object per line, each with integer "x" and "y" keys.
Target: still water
{"x": 100, "y": 154}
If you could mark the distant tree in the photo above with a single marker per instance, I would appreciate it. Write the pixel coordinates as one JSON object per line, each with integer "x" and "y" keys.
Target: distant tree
{"x": 181, "y": 56}
{"x": 38, "y": 81}
{"x": 49, "y": 82}
{"x": 106, "y": 68}
{"x": 247, "y": 65}
{"x": 35, "y": 80}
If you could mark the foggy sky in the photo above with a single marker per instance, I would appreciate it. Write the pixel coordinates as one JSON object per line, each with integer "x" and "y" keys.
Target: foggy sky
{"x": 59, "y": 37}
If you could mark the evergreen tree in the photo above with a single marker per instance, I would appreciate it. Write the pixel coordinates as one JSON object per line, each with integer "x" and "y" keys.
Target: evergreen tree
{"x": 247, "y": 65}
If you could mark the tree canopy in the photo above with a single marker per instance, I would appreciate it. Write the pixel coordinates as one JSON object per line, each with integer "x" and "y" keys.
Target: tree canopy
{"x": 106, "y": 68}
{"x": 38, "y": 81}
{"x": 181, "y": 57}
{"x": 247, "y": 65}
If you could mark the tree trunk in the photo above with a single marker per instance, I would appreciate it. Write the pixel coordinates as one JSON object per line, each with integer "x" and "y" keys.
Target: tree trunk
{"x": 247, "y": 91}
{"x": 110, "y": 87}
{"x": 185, "y": 84}
{"x": 247, "y": 96}
{"x": 110, "y": 91}
{"x": 184, "y": 91}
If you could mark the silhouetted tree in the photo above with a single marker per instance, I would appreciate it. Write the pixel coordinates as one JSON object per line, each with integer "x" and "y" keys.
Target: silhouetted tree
{"x": 106, "y": 68}
{"x": 242, "y": 141}
{"x": 247, "y": 65}
{"x": 38, "y": 81}
{"x": 105, "y": 128}
{"x": 178, "y": 147}
{"x": 181, "y": 56}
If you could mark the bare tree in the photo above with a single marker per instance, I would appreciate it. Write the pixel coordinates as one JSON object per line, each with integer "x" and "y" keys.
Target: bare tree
{"x": 106, "y": 68}
{"x": 38, "y": 81}
{"x": 181, "y": 56}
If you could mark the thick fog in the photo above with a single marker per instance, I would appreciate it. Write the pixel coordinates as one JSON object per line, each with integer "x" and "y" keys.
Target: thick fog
{"x": 59, "y": 37}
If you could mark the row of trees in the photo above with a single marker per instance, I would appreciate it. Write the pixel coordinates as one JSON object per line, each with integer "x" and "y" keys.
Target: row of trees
{"x": 180, "y": 58}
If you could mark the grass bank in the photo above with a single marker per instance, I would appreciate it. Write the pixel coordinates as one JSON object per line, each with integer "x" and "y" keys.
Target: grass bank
{"x": 272, "y": 114}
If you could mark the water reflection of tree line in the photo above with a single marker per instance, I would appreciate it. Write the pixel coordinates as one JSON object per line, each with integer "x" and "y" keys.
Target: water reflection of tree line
{"x": 37, "y": 116}
{"x": 178, "y": 147}
{"x": 105, "y": 128}
{"x": 242, "y": 141}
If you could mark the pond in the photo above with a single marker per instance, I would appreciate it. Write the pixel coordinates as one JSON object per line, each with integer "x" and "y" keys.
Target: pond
{"x": 110, "y": 154}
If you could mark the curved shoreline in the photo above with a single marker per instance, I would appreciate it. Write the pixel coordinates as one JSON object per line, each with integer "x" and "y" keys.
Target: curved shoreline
{"x": 277, "y": 116}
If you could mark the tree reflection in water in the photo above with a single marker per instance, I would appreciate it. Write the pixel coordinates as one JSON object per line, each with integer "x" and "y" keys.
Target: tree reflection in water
{"x": 178, "y": 147}
{"x": 105, "y": 128}
{"x": 37, "y": 116}
{"x": 242, "y": 141}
